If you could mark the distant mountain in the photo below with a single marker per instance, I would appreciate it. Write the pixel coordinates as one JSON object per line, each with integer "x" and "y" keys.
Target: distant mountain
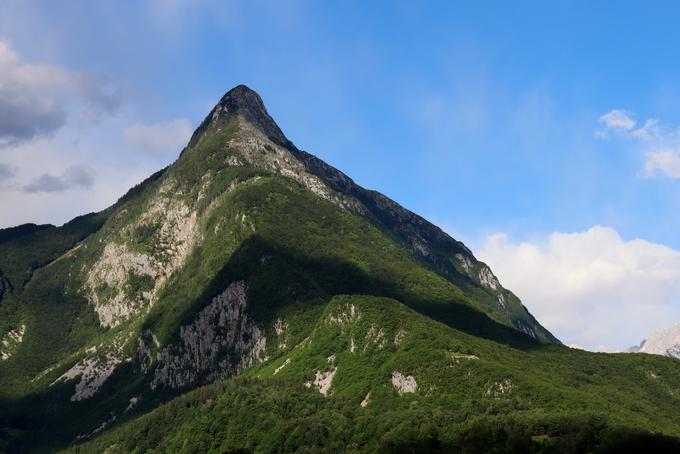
{"x": 664, "y": 342}
{"x": 251, "y": 298}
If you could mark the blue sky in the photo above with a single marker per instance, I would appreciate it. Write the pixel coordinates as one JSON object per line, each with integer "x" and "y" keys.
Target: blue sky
{"x": 509, "y": 125}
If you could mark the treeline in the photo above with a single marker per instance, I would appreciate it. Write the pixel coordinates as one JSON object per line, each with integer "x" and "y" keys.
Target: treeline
{"x": 270, "y": 416}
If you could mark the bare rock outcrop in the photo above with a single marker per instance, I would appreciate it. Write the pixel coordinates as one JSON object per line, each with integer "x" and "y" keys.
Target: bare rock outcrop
{"x": 222, "y": 341}
{"x": 11, "y": 341}
{"x": 404, "y": 383}
{"x": 112, "y": 284}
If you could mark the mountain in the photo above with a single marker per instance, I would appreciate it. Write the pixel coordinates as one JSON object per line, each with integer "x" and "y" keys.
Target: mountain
{"x": 664, "y": 342}
{"x": 251, "y": 297}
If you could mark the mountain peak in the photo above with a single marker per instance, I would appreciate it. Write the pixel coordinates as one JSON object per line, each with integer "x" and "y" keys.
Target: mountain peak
{"x": 664, "y": 342}
{"x": 247, "y": 104}
{"x": 242, "y": 98}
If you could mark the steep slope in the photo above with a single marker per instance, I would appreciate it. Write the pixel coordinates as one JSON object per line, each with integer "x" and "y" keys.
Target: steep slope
{"x": 123, "y": 267}
{"x": 23, "y": 250}
{"x": 232, "y": 261}
{"x": 426, "y": 242}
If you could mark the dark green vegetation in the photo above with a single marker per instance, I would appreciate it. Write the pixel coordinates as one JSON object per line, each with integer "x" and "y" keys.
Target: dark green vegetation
{"x": 26, "y": 248}
{"x": 271, "y": 416}
{"x": 556, "y": 400}
{"x": 360, "y": 327}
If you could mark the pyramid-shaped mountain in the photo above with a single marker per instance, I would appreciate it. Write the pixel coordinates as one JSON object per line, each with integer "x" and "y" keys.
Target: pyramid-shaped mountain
{"x": 252, "y": 297}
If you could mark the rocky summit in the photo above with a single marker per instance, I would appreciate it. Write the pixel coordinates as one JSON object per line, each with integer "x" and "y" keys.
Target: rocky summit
{"x": 664, "y": 342}
{"x": 252, "y": 298}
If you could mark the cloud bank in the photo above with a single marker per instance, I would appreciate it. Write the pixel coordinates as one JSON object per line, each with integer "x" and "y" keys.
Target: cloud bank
{"x": 27, "y": 108}
{"x": 60, "y": 128}
{"x": 35, "y": 98}
{"x": 666, "y": 162}
{"x": 591, "y": 288}
{"x": 6, "y": 173}
{"x": 661, "y": 143}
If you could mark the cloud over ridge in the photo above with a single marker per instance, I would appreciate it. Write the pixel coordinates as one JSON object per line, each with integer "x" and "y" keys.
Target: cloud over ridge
{"x": 593, "y": 287}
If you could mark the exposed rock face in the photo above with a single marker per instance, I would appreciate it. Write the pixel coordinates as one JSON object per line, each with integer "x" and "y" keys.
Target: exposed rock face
{"x": 458, "y": 357}
{"x": 113, "y": 269}
{"x": 221, "y": 341}
{"x": 11, "y": 341}
{"x": 664, "y": 342}
{"x": 280, "y": 368}
{"x": 244, "y": 102}
{"x": 113, "y": 282}
{"x": 323, "y": 381}
{"x": 367, "y": 400}
{"x": 97, "y": 366}
{"x": 404, "y": 383}
{"x": 525, "y": 328}
{"x": 487, "y": 279}
{"x": 93, "y": 372}
{"x": 464, "y": 262}
{"x": 175, "y": 224}
{"x": 261, "y": 152}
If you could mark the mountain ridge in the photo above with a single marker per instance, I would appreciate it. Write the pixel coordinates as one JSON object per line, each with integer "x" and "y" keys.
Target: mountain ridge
{"x": 423, "y": 237}
{"x": 249, "y": 264}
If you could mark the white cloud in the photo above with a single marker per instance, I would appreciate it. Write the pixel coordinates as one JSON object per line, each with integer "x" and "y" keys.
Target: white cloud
{"x": 49, "y": 159}
{"x": 661, "y": 143}
{"x": 666, "y": 162}
{"x": 649, "y": 132}
{"x": 114, "y": 170}
{"x": 620, "y": 121}
{"x": 35, "y": 98}
{"x": 27, "y": 109}
{"x": 591, "y": 288}
{"x": 159, "y": 137}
